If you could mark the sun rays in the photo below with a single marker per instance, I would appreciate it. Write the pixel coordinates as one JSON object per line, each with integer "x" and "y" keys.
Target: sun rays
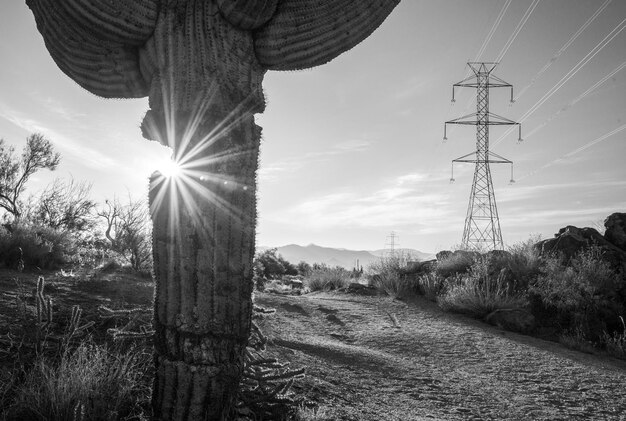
{"x": 198, "y": 179}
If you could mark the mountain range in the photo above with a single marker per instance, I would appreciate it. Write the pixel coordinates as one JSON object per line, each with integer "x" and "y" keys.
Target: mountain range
{"x": 312, "y": 253}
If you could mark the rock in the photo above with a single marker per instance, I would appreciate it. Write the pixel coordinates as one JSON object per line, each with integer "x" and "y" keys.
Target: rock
{"x": 443, "y": 255}
{"x": 360, "y": 289}
{"x": 513, "y": 319}
{"x": 419, "y": 268}
{"x": 294, "y": 283}
{"x": 498, "y": 255}
{"x": 571, "y": 240}
{"x": 615, "y": 233}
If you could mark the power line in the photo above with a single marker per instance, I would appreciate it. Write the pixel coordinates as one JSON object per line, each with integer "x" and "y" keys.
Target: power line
{"x": 576, "y": 100}
{"x": 491, "y": 32}
{"x": 488, "y": 38}
{"x": 517, "y": 30}
{"x": 607, "y": 39}
{"x": 575, "y": 151}
{"x": 563, "y": 48}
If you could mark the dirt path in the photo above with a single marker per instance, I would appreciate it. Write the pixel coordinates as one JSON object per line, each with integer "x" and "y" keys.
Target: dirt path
{"x": 372, "y": 358}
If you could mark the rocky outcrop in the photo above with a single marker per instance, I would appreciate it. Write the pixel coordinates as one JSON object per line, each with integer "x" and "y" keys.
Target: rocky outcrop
{"x": 570, "y": 240}
{"x": 514, "y": 319}
{"x": 443, "y": 255}
{"x": 360, "y": 289}
{"x": 615, "y": 233}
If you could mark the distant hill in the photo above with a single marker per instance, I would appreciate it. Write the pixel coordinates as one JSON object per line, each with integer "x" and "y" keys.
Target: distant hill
{"x": 339, "y": 257}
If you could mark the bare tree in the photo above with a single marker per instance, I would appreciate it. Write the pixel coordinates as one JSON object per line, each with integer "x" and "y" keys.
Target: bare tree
{"x": 15, "y": 171}
{"x": 63, "y": 205}
{"x": 128, "y": 230}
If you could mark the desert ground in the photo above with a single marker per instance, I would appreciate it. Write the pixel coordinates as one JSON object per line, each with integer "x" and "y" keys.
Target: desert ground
{"x": 373, "y": 357}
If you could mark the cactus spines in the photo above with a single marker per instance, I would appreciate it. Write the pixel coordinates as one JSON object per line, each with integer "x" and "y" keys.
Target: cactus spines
{"x": 247, "y": 14}
{"x": 201, "y": 63}
{"x": 304, "y": 34}
{"x": 89, "y": 53}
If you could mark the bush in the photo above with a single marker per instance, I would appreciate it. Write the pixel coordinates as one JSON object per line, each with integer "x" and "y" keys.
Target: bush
{"x": 42, "y": 247}
{"x": 271, "y": 265}
{"x": 391, "y": 275}
{"x": 431, "y": 286}
{"x": 480, "y": 293}
{"x": 90, "y": 383}
{"x": 615, "y": 343}
{"x": 324, "y": 278}
{"x": 585, "y": 296}
{"x": 525, "y": 262}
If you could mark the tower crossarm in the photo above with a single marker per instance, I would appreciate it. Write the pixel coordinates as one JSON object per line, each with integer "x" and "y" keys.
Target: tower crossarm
{"x": 473, "y": 119}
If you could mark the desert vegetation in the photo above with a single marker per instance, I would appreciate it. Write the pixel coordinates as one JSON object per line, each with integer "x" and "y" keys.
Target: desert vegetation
{"x": 70, "y": 359}
{"x": 579, "y": 301}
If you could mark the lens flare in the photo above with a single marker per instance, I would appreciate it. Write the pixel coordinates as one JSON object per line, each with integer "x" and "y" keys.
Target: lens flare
{"x": 170, "y": 169}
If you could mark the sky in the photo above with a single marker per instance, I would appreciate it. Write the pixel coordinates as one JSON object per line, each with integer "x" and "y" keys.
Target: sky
{"x": 353, "y": 150}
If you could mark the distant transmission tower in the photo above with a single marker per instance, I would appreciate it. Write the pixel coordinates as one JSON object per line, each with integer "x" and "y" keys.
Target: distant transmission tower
{"x": 391, "y": 244}
{"x": 482, "y": 224}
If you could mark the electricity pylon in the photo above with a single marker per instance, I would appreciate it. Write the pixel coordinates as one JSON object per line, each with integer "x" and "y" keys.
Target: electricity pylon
{"x": 482, "y": 224}
{"x": 391, "y": 244}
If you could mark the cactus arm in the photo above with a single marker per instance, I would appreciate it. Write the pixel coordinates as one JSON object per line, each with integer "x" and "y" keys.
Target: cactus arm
{"x": 105, "y": 67}
{"x": 247, "y": 14}
{"x": 305, "y": 34}
{"x": 127, "y": 22}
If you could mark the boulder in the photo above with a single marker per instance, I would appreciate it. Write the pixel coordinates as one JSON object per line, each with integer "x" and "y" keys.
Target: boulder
{"x": 498, "y": 255}
{"x": 615, "y": 233}
{"x": 360, "y": 289}
{"x": 571, "y": 240}
{"x": 513, "y": 319}
{"x": 419, "y": 268}
{"x": 443, "y": 255}
{"x": 294, "y": 283}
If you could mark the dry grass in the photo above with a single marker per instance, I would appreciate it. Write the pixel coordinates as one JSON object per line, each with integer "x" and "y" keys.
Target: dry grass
{"x": 616, "y": 343}
{"x": 88, "y": 383}
{"x": 431, "y": 286}
{"x": 477, "y": 296}
{"x": 389, "y": 275}
{"x": 326, "y": 279}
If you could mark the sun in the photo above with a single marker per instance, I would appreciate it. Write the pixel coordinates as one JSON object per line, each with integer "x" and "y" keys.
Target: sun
{"x": 170, "y": 168}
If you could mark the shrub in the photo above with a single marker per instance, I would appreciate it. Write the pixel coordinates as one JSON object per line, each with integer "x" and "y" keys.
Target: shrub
{"x": 324, "y": 278}
{"x": 525, "y": 262}
{"x": 478, "y": 294}
{"x": 390, "y": 274}
{"x": 271, "y": 265}
{"x": 431, "y": 286}
{"x": 90, "y": 383}
{"x": 583, "y": 295}
{"x": 458, "y": 262}
{"x": 576, "y": 338}
{"x": 42, "y": 247}
{"x": 615, "y": 343}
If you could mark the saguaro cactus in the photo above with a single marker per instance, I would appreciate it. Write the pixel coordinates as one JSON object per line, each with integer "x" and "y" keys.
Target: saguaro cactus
{"x": 201, "y": 63}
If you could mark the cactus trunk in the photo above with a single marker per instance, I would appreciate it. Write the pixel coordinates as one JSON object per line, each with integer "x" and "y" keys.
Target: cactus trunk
{"x": 204, "y": 220}
{"x": 203, "y": 251}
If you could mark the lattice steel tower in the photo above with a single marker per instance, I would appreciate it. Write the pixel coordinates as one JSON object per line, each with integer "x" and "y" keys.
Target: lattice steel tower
{"x": 482, "y": 224}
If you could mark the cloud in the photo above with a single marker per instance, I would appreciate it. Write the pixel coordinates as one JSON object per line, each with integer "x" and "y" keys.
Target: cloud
{"x": 56, "y": 107}
{"x": 406, "y": 200}
{"x": 86, "y": 155}
{"x": 537, "y": 192}
{"x": 273, "y": 171}
{"x": 276, "y": 170}
{"x": 412, "y": 88}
